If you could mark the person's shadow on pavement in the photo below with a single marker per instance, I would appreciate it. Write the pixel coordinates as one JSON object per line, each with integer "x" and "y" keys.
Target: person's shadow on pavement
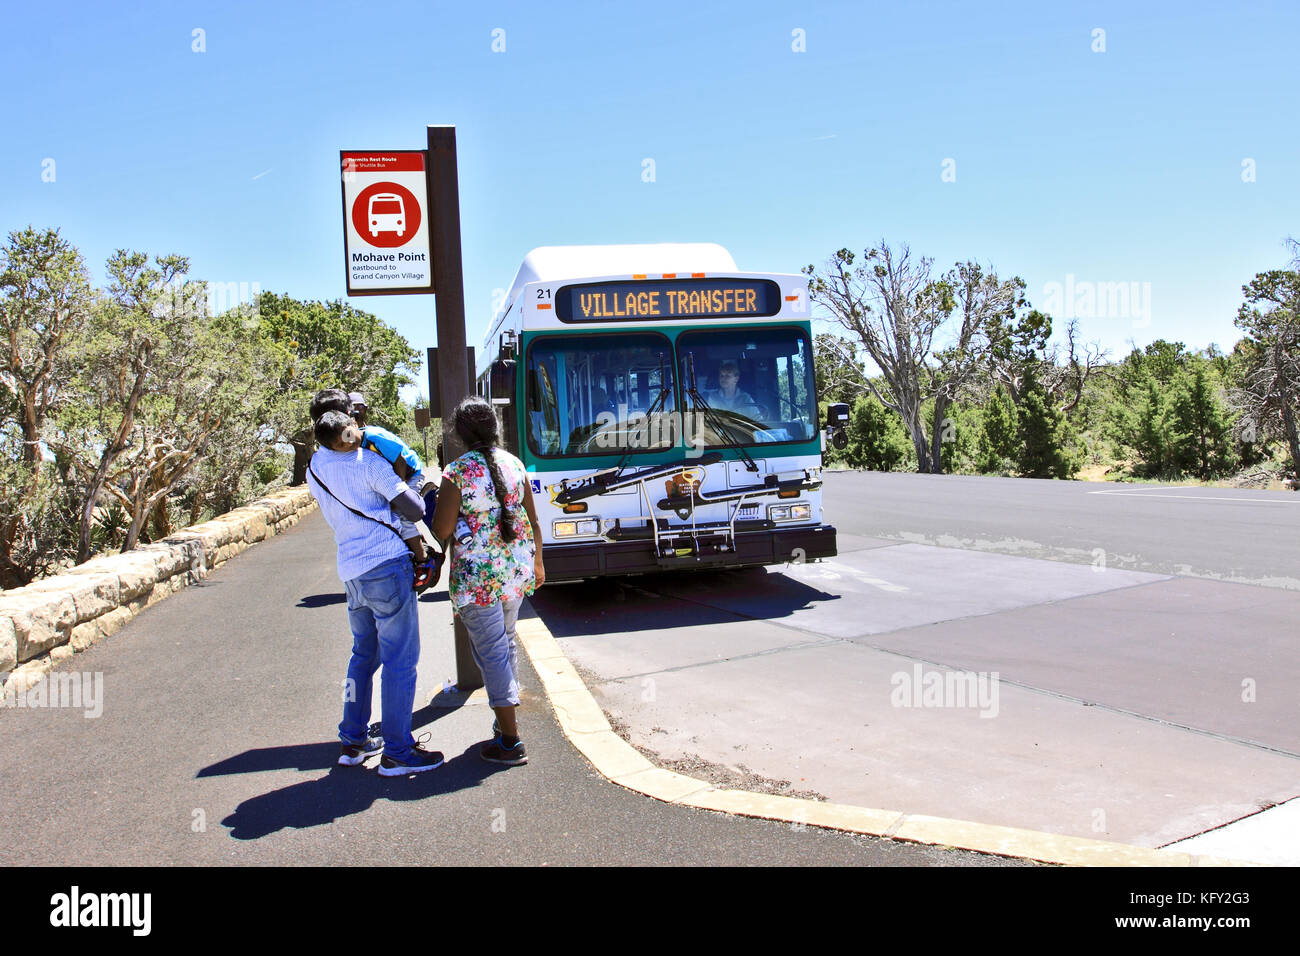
{"x": 322, "y": 600}
{"x": 344, "y": 791}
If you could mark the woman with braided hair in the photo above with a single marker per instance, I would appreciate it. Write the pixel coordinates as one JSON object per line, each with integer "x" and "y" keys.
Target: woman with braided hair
{"x": 485, "y": 500}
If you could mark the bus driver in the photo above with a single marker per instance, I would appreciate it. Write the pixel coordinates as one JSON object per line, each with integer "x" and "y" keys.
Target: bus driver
{"x": 727, "y": 396}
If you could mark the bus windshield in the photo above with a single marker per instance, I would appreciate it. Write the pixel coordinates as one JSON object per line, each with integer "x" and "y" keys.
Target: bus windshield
{"x": 756, "y": 385}
{"x": 600, "y": 394}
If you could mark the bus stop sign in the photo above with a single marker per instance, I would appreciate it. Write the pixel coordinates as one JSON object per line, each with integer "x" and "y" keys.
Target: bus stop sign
{"x": 386, "y": 222}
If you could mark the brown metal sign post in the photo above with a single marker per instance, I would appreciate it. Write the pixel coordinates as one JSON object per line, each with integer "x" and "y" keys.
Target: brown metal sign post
{"x": 449, "y": 301}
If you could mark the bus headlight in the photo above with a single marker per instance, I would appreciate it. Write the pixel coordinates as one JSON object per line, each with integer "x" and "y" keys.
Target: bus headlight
{"x": 576, "y": 529}
{"x": 796, "y": 512}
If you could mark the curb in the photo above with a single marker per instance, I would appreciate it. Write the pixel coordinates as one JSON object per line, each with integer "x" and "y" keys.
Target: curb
{"x": 587, "y": 728}
{"x": 48, "y": 621}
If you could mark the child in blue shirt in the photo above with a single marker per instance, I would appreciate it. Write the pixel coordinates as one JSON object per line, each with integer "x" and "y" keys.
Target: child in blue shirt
{"x": 392, "y": 449}
{"x": 406, "y": 463}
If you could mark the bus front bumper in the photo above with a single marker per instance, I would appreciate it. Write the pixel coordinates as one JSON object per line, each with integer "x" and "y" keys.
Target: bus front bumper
{"x": 572, "y": 562}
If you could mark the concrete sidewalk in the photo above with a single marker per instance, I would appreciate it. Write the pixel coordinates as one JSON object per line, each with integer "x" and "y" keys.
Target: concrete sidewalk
{"x": 1124, "y": 706}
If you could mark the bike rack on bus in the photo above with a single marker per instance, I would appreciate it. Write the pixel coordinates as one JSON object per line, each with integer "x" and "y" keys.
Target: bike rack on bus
{"x": 685, "y": 506}
{"x": 736, "y": 497}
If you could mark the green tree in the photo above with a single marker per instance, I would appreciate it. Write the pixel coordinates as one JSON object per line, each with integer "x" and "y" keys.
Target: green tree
{"x": 877, "y": 439}
{"x": 899, "y": 313}
{"x": 1148, "y": 431}
{"x": 333, "y": 345}
{"x": 1199, "y": 427}
{"x": 998, "y": 439}
{"x": 45, "y": 298}
{"x": 1268, "y": 378}
{"x": 123, "y": 355}
{"x": 241, "y": 458}
{"x": 1159, "y": 362}
{"x": 36, "y": 517}
{"x": 959, "y": 433}
{"x": 1041, "y": 432}
{"x": 1017, "y": 340}
{"x": 839, "y": 375}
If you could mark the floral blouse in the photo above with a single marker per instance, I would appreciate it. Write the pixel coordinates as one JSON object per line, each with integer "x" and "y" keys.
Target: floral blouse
{"x": 487, "y": 570}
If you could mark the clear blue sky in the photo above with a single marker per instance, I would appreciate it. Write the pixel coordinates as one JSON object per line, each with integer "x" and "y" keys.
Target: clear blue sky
{"x": 1115, "y": 166}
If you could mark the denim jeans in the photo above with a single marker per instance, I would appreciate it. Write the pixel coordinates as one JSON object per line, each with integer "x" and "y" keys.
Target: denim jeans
{"x": 385, "y": 630}
{"x": 491, "y": 630}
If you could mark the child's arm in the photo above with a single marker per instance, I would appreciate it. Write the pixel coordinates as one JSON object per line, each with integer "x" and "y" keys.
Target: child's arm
{"x": 393, "y": 449}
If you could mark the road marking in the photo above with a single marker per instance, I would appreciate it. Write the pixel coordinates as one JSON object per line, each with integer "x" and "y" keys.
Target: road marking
{"x": 834, "y": 570}
{"x": 1152, "y": 494}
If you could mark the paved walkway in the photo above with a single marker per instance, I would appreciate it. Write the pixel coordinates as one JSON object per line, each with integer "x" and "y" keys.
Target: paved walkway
{"x": 216, "y": 746}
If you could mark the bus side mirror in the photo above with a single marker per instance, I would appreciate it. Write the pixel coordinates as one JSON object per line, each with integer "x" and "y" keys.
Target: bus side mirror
{"x": 837, "y": 424}
{"x": 501, "y": 382}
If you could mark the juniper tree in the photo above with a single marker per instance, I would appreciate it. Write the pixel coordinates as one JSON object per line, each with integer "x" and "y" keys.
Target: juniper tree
{"x": 997, "y": 445}
{"x": 877, "y": 439}
{"x": 1199, "y": 427}
{"x": 1268, "y": 384}
{"x": 1041, "y": 432}
{"x": 899, "y": 312}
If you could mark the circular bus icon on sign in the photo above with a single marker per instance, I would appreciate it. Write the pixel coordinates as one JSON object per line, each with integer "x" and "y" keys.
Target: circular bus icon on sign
{"x": 386, "y": 215}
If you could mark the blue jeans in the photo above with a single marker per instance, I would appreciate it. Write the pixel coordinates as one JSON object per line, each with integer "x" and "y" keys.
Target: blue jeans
{"x": 491, "y": 630}
{"x": 385, "y": 630}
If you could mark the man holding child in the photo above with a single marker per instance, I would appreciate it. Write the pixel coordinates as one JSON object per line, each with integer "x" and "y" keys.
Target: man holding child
{"x": 359, "y": 492}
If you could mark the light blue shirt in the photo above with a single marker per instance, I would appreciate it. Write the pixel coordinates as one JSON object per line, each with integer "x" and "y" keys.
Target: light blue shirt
{"x": 365, "y": 481}
{"x": 391, "y": 447}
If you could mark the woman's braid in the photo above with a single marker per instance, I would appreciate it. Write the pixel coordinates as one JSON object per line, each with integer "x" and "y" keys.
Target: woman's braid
{"x": 476, "y": 424}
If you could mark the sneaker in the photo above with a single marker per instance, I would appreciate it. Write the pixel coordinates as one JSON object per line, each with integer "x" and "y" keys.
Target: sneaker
{"x": 496, "y": 727}
{"x": 497, "y": 752}
{"x": 353, "y": 754}
{"x": 418, "y": 761}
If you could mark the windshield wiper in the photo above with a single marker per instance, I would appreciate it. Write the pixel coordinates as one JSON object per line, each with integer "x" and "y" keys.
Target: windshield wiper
{"x": 601, "y": 482}
{"x": 711, "y": 415}
{"x": 664, "y": 391}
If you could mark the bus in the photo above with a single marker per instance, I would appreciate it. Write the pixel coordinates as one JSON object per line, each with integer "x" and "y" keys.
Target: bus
{"x": 663, "y": 404}
{"x": 387, "y": 213}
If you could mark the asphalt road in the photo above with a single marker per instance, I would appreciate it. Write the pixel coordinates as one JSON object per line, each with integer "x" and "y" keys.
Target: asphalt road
{"x": 1249, "y": 537}
{"x": 1125, "y": 701}
{"x": 216, "y": 746}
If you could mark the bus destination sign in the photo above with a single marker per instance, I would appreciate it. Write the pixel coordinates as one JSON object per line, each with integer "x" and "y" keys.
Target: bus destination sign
{"x": 646, "y": 299}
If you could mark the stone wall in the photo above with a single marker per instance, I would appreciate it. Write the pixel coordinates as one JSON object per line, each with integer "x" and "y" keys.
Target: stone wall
{"x": 50, "y": 620}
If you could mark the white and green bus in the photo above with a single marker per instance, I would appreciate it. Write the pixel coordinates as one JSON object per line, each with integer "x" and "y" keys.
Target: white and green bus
{"x": 663, "y": 403}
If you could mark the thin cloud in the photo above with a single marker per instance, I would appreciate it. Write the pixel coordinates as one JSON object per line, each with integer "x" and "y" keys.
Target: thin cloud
{"x": 263, "y": 173}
